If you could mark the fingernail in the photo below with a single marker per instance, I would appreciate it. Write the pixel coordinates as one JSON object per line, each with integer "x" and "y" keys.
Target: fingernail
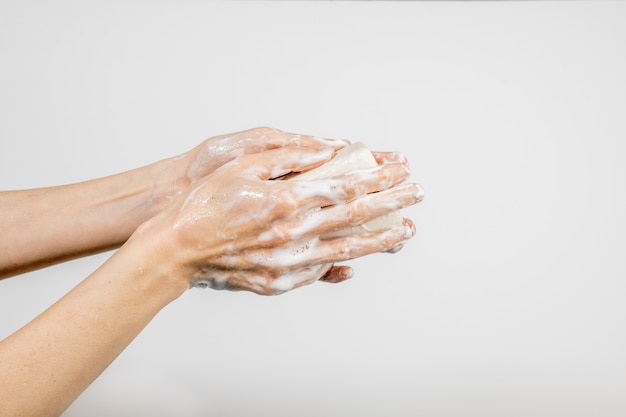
{"x": 419, "y": 193}
{"x": 409, "y": 230}
{"x": 348, "y": 273}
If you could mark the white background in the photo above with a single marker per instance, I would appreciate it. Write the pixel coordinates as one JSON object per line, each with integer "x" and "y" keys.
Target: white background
{"x": 510, "y": 301}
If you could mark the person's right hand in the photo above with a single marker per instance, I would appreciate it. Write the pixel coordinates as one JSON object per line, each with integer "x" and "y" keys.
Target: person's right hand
{"x": 239, "y": 229}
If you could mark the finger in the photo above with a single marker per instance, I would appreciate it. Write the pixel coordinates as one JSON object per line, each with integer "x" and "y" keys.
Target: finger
{"x": 341, "y": 216}
{"x": 390, "y": 158}
{"x": 363, "y": 210}
{"x": 229, "y": 146}
{"x": 234, "y": 280}
{"x": 302, "y": 223}
{"x": 345, "y": 203}
{"x": 314, "y": 251}
{"x": 274, "y": 138}
{"x": 349, "y": 186}
{"x": 355, "y": 246}
{"x": 260, "y": 280}
{"x": 303, "y": 276}
{"x": 345, "y": 248}
{"x": 275, "y": 163}
{"x": 338, "y": 274}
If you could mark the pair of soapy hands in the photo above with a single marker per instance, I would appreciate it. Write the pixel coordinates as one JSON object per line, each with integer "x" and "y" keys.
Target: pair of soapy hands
{"x": 234, "y": 226}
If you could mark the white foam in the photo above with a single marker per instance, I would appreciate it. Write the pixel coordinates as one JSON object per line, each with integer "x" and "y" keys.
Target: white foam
{"x": 354, "y": 157}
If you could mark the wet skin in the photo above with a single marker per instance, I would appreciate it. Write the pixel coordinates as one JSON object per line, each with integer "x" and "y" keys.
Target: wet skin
{"x": 240, "y": 229}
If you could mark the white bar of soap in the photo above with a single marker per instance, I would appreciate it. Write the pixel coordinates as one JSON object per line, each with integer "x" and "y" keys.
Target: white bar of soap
{"x": 353, "y": 157}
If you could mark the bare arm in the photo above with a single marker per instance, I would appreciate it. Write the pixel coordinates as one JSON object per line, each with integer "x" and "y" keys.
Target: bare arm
{"x": 233, "y": 229}
{"x": 45, "y": 365}
{"x": 44, "y": 226}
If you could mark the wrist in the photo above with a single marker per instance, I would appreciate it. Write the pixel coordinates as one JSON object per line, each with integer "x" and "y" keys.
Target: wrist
{"x": 155, "y": 259}
{"x": 166, "y": 179}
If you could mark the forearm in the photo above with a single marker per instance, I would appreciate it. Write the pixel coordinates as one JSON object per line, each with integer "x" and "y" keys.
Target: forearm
{"x": 40, "y": 227}
{"x": 45, "y": 365}
{"x": 44, "y": 226}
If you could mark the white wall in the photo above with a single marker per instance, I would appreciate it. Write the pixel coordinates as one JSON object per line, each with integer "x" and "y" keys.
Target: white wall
{"x": 510, "y": 300}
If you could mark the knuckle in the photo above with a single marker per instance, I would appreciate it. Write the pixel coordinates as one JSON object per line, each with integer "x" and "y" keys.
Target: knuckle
{"x": 284, "y": 199}
{"x": 354, "y": 189}
{"x": 262, "y": 131}
{"x": 346, "y": 248}
{"x": 357, "y": 213}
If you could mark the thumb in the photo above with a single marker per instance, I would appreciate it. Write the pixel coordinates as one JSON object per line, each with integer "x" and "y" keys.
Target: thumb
{"x": 282, "y": 161}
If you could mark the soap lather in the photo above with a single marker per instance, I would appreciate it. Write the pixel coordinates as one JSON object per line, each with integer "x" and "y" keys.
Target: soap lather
{"x": 353, "y": 157}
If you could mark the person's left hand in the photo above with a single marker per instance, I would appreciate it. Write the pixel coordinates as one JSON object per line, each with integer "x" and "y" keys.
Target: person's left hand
{"x": 216, "y": 151}
{"x": 174, "y": 176}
